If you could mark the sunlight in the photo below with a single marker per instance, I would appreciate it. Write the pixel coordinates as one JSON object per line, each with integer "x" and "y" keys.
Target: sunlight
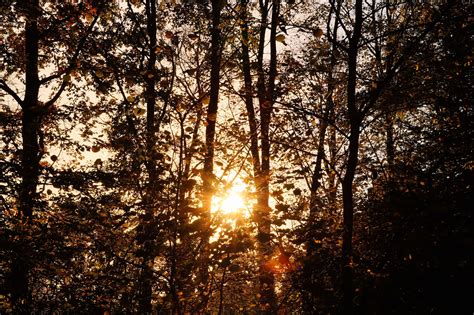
{"x": 232, "y": 201}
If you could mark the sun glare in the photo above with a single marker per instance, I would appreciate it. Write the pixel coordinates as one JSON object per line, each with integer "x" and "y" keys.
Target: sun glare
{"x": 232, "y": 200}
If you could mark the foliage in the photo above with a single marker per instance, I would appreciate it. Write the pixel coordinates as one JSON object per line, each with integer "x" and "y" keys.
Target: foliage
{"x": 107, "y": 165}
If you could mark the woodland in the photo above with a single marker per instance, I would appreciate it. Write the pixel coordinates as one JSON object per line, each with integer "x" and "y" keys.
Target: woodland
{"x": 236, "y": 157}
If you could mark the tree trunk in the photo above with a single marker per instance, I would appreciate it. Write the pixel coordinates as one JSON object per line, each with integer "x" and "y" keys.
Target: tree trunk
{"x": 347, "y": 189}
{"x": 329, "y": 110}
{"x": 266, "y": 95}
{"x": 208, "y": 173}
{"x": 146, "y": 278}
{"x": 249, "y": 90}
{"x": 31, "y": 154}
{"x": 348, "y": 211}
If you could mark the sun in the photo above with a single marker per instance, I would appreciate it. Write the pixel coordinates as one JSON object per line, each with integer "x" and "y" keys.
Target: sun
{"x": 232, "y": 201}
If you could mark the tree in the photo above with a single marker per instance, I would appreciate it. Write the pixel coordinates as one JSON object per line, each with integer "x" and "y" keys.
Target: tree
{"x": 38, "y": 31}
{"x": 261, "y": 160}
{"x": 216, "y": 157}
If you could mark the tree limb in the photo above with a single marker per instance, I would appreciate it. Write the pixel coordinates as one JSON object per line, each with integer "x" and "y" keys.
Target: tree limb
{"x": 4, "y": 86}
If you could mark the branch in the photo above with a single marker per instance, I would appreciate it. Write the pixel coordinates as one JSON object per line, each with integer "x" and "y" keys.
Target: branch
{"x": 391, "y": 73}
{"x": 52, "y": 77}
{"x": 72, "y": 64}
{"x": 4, "y": 86}
{"x": 339, "y": 20}
{"x": 313, "y": 114}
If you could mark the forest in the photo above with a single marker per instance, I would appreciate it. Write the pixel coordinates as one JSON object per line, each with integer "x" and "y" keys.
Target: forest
{"x": 236, "y": 157}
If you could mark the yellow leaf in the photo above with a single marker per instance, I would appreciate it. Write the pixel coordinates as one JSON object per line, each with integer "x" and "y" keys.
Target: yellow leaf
{"x": 206, "y": 100}
{"x": 99, "y": 74}
{"x": 89, "y": 17}
{"x": 401, "y": 115}
{"x": 280, "y": 38}
{"x": 130, "y": 98}
{"x": 137, "y": 111}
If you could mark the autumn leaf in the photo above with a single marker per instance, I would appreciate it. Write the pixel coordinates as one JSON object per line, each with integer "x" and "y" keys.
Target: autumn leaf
{"x": 318, "y": 32}
{"x": 234, "y": 268}
{"x": 169, "y": 34}
{"x": 281, "y": 39}
{"x": 89, "y": 17}
{"x": 193, "y": 36}
{"x": 137, "y": 111}
{"x": 206, "y": 100}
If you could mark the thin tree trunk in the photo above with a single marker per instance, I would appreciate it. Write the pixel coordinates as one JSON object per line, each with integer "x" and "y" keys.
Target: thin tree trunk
{"x": 268, "y": 303}
{"x": 347, "y": 189}
{"x": 389, "y": 147}
{"x": 329, "y": 110}
{"x": 146, "y": 277}
{"x": 249, "y": 90}
{"x": 260, "y": 168}
{"x": 208, "y": 173}
{"x": 332, "y": 183}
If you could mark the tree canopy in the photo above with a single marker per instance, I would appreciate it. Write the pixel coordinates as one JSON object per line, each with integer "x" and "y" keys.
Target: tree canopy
{"x": 236, "y": 157}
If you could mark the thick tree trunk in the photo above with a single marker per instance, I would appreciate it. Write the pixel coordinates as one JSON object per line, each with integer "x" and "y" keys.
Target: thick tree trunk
{"x": 31, "y": 121}
{"x": 31, "y": 154}
{"x": 348, "y": 211}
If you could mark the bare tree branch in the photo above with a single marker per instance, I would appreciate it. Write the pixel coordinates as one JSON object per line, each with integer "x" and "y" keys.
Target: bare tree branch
{"x": 4, "y": 86}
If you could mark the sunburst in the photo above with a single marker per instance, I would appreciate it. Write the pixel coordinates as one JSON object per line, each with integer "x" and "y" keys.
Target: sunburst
{"x": 232, "y": 201}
